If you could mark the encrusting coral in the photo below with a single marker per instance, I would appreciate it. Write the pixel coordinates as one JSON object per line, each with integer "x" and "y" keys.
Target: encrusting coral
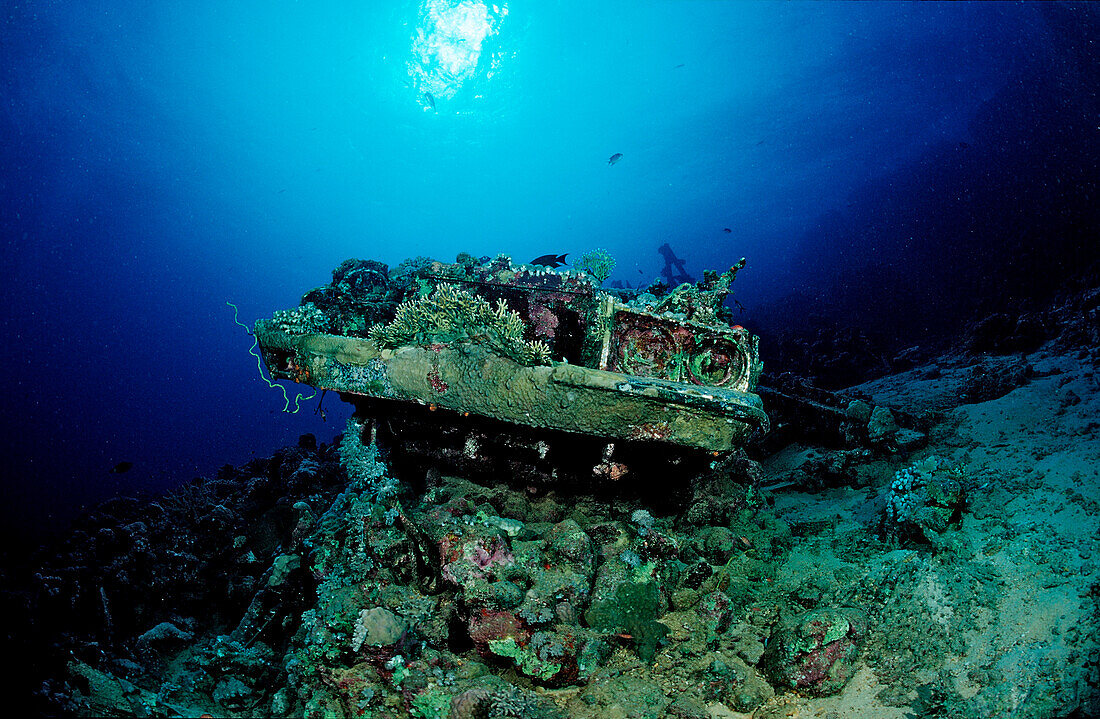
{"x": 450, "y": 314}
{"x": 302, "y": 320}
{"x": 923, "y": 499}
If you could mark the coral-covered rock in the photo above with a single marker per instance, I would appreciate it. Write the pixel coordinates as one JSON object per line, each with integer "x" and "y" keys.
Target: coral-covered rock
{"x": 568, "y": 542}
{"x": 924, "y": 498}
{"x": 816, "y": 651}
{"x": 731, "y": 681}
{"x": 487, "y": 626}
{"x": 716, "y": 544}
{"x": 558, "y": 572}
{"x": 882, "y": 425}
{"x": 1001, "y": 333}
{"x": 471, "y": 704}
{"x": 716, "y": 610}
{"x": 163, "y": 636}
{"x": 989, "y": 380}
{"x": 629, "y": 608}
{"x": 473, "y": 557}
{"x": 626, "y": 696}
{"x": 377, "y": 627}
{"x": 858, "y": 411}
{"x": 233, "y": 694}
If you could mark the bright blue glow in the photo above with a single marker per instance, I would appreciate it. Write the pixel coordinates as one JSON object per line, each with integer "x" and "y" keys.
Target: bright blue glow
{"x": 161, "y": 158}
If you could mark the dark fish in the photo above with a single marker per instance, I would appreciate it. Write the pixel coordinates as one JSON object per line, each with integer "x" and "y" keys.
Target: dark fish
{"x": 615, "y": 158}
{"x": 549, "y": 260}
{"x": 678, "y": 66}
{"x": 726, "y": 229}
{"x": 430, "y": 99}
{"x": 122, "y": 467}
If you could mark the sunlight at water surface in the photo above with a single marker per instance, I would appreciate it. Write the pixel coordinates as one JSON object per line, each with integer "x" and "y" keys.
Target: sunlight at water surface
{"x": 447, "y": 46}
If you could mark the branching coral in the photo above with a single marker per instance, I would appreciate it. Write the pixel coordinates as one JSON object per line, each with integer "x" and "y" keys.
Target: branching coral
{"x": 450, "y": 314}
{"x": 597, "y": 264}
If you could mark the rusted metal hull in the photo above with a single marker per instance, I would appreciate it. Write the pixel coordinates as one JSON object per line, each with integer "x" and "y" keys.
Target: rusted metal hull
{"x": 469, "y": 378}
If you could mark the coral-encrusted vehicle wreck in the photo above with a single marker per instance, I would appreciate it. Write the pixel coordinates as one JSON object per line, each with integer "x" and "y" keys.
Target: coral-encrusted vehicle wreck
{"x": 482, "y": 352}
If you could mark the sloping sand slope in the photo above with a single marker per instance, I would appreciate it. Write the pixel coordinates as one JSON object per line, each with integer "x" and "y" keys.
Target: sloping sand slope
{"x": 1003, "y": 621}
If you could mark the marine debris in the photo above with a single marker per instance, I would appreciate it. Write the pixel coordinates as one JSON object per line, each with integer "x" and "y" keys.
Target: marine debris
{"x": 529, "y": 346}
{"x": 892, "y": 558}
{"x": 673, "y": 272}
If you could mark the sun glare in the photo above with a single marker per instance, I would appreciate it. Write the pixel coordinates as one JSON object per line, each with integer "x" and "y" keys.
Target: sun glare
{"x": 447, "y": 47}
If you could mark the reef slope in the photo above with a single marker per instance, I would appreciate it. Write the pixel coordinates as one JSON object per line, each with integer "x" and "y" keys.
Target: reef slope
{"x": 944, "y": 568}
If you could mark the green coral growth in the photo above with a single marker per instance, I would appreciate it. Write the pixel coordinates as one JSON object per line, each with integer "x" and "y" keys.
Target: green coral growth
{"x": 305, "y": 319}
{"x": 924, "y": 498}
{"x": 525, "y": 658}
{"x": 431, "y": 706}
{"x": 597, "y": 264}
{"x": 450, "y": 314}
{"x": 633, "y": 611}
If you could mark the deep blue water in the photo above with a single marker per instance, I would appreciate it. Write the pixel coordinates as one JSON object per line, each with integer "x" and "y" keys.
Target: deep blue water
{"x": 886, "y": 162}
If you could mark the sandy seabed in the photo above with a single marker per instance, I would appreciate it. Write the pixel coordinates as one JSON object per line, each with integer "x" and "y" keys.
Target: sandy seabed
{"x": 1003, "y": 622}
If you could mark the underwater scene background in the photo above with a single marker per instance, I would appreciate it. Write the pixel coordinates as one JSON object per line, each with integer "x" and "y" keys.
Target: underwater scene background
{"x": 910, "y": 531}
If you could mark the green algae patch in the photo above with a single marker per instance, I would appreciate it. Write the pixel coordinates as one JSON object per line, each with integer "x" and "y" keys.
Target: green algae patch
{"x": 631, "y": 612}
{"x": 525, "y": 658}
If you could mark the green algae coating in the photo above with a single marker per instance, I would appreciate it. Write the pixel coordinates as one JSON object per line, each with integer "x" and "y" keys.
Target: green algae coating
{"x": 525, "y": 658}
{"x": 837, "y": 630}
{"x": 472, "y": 378}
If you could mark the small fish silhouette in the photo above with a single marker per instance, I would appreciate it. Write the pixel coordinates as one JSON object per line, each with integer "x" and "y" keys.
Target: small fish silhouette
{"x": 615, "y": 158}
{"x": 430, "y": 99}
{"x": 549, "y": 260}
{"x": 122, "y": 467}
{"x": 726, "y": 229}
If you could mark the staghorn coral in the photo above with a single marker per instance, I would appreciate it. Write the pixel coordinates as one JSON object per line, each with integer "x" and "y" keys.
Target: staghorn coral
{"x": 450, "y": 314}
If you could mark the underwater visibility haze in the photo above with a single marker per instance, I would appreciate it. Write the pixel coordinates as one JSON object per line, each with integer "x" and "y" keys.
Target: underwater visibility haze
{"x": 912, "y": 187}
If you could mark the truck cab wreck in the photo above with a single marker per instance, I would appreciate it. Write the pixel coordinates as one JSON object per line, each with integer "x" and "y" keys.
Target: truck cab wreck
{"x": 483, "y": 366}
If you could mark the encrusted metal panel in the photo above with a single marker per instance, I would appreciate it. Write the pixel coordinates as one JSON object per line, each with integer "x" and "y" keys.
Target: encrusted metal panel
{"x": 648, "y": 345}
{"x": 470, "y": 378}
